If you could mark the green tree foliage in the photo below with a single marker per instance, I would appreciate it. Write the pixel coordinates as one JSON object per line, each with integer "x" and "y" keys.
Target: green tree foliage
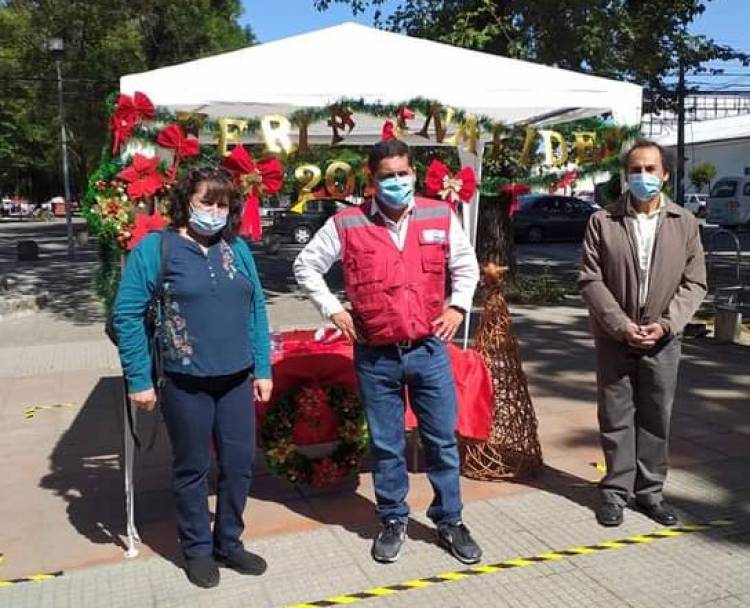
{"x": 702, "y": 174}
{"x": 103, "y": 41}
{"x": 636, "y": 40}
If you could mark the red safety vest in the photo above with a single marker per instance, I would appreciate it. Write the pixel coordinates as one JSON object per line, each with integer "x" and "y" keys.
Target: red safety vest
{"x": 395, "y": 295}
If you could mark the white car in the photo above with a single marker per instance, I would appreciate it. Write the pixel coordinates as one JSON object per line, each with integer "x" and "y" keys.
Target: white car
{"x": 696, "y": 202}
{"x": 729, "y": 202}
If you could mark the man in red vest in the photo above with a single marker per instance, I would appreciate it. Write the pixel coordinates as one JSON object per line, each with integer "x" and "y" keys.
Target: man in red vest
{"x": 394, "y": 252}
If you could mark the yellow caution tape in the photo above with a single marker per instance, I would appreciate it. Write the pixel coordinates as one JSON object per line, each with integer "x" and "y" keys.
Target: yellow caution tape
{"x": 519, "y": 562}
{"x": 31, "y": 411}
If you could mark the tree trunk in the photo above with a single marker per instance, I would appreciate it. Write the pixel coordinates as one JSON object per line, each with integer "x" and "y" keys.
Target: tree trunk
{"x": 495, "y": 241}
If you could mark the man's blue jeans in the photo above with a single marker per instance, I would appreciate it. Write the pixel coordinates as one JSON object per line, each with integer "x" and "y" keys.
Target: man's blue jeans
{"x": 383, "y": 373}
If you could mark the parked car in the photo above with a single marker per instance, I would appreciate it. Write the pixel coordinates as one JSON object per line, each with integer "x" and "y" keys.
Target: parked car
{"x": 543, "y": 217}
{"x": 729, "y": 202}
{"x": 695, "y": 202}
{"x": 299, "y": 228}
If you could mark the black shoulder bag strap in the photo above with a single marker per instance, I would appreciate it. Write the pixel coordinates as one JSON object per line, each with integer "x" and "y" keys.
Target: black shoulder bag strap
{"x": 154, "y": 314}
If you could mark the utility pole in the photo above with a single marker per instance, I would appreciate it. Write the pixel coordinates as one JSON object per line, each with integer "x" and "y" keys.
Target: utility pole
{"x": 679, "y": 189}
{"x": 56, "y": 47}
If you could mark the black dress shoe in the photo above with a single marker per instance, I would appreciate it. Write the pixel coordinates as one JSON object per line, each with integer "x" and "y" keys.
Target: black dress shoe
{"x": 457, "y": 539}
{"x": 660, "y": 512}
{"x": 202, "y": 571}
{"x": 386, "y": 547}
{"x": 609, "y": 514}
{"x": 244, "y": 562}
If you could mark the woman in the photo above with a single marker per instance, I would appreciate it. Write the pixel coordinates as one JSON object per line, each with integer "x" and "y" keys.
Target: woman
{"x": 215, "y": 341}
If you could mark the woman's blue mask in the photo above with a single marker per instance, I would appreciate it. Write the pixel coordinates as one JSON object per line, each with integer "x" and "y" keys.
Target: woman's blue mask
{"x": 644, "y": 186}
{"x": 397, "y": 191}
{"x": 207, "y": 223}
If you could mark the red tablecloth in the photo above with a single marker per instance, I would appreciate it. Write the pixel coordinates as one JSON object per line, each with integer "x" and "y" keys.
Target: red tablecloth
{"x": 301, "y": 360}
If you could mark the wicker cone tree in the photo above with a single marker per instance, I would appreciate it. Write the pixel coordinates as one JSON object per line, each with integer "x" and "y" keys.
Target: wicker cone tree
{"x": 512, "y": 449}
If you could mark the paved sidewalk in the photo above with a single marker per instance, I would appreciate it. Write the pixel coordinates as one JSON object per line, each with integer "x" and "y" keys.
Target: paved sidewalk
{"x": 706, "y": 568}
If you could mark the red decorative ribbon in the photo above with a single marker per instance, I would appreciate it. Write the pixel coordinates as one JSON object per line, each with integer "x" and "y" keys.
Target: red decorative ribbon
{"x": 143, "y": 225}
{"x": 451, "y": 188}
{"x": 514, "y": 190}
{"x": 256, "y": 179}
{"x": 172, "y": 137}
{"x": 142, "y": 176}
{"x": 128, "y": 112}
{"x": 405, "y": 113}
{"x": 566, "y": 180}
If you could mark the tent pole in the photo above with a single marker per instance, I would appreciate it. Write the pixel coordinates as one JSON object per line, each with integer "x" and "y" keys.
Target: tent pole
{"x": 475, "y": 161}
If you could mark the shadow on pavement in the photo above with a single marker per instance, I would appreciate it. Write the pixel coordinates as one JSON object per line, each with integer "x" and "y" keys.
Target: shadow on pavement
{"x": 86, "y": 472}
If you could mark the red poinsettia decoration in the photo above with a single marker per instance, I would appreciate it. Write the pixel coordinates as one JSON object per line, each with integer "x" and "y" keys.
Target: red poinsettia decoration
{"x": 142, "y": 176}
{"x": 256, "y": 179}
{"x": 128, "y": 112}
{"x": 389, "y": 131}
{"x": 451, "y": 188}
{"x": 144, "y": 224}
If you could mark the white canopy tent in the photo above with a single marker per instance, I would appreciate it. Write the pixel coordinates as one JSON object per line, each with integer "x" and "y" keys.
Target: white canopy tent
{"x": 352, "y": 61}
{"x": 355, "y": 61}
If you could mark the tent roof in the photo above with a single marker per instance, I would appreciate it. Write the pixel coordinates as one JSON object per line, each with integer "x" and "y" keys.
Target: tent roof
{"x": 355, "y": 61}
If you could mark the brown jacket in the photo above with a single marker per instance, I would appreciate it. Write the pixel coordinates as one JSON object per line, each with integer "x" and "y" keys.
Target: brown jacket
{"x": 609, "y": 270}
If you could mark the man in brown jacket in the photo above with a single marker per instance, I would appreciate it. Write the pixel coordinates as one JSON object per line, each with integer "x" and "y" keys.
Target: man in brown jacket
{"x": 643, "y": 277}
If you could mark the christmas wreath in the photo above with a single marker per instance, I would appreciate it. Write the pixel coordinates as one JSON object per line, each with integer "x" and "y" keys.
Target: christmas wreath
{"x": 307, "y": 405}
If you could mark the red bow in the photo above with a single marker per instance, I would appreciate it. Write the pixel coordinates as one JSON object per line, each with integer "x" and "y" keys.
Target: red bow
{"x": 173, "y": 137}
{"x": 128, "y": 112}
{"x": 389, "y": 131}
{"x": 405, "y": 113}
{"x": 144, "y": 224}
{"x": 451, "y": 188}
{"x": 142, "y": 176}
{"x": 256, "y": 179}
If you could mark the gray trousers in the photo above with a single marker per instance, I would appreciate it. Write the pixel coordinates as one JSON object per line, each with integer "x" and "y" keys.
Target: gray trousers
{"x": 635, "y": 392}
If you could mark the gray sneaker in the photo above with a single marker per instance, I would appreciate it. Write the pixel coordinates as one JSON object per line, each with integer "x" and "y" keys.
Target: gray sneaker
{"x": 387, "y": 545}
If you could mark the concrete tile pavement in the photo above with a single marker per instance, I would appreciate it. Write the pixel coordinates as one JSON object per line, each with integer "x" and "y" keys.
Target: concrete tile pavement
{"x": 698, "y": 569}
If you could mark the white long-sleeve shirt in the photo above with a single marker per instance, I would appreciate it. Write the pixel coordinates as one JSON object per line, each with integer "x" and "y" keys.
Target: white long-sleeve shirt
{"x": 644, "y": 226}
{"x": 316, "y": 259}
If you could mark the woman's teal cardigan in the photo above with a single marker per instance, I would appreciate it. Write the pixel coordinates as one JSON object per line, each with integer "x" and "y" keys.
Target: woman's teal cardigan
{"x": 136, "y": 289}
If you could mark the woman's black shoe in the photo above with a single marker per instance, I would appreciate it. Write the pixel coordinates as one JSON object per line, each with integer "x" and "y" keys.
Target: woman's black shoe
{"x": 202, "y": 571}
{"x": 244, "y": 562}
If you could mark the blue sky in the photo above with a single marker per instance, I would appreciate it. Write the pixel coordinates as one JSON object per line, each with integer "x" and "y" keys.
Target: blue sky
{"x": 724, "y": 20}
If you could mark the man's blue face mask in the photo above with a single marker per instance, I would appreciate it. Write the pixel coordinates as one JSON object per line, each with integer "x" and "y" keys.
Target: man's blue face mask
{"x": 396, "y": 191}
{"x": 644, "y": 186}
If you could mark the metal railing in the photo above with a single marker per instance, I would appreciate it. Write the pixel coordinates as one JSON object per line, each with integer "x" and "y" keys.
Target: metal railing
{"x": 711, "y": 251}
